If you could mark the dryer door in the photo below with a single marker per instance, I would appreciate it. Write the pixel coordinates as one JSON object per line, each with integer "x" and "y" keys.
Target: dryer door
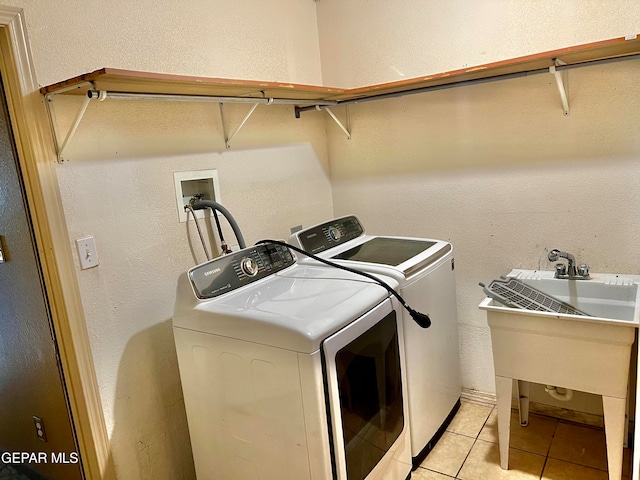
{"x": 366, "y": 393}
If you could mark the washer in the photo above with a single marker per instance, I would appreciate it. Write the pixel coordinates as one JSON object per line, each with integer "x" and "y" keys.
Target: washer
{"x": 424, "y": 269}
{"x": 291, "y": 372}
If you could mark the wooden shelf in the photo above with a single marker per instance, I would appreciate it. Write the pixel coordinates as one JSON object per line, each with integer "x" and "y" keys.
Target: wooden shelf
{"x": 127, "y": 81}
{"x": 577, "y": 55}
{"x": 114, "y": 83}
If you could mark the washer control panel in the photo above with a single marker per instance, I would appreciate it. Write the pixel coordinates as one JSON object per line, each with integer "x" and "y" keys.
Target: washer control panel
{"x": 227, "y": 273}
{"x": 330, "y": 234}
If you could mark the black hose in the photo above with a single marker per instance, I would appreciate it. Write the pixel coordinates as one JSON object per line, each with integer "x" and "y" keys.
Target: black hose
{"x": 421, "y": 319}
{"x": 215, "y": 217}
{"x": 202, "y": 204}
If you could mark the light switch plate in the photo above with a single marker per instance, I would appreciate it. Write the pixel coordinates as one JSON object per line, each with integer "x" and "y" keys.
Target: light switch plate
{"x": 87, "y": 253}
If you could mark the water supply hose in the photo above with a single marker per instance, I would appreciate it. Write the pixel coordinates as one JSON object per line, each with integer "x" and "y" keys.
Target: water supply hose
{"x": 202, "y": 204}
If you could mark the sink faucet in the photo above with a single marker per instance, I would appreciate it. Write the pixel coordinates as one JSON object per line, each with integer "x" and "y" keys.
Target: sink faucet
{"x": 570, "y": 271}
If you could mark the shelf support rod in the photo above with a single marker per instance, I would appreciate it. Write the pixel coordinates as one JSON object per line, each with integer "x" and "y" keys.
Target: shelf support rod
{"x": 347, "y": 129}
{"x": 73, "y": 128}
{"x": 227, "y": 137}
{"x": 208, "y": 98}
{"x": 224, "y": 125}
{"x": 560, "y": 83}
{"x": 76, "y": 122}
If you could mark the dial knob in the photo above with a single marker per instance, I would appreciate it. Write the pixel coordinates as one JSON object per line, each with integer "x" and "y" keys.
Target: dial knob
{"x": 249, "y": 266}
{"x": 334, "y": 233}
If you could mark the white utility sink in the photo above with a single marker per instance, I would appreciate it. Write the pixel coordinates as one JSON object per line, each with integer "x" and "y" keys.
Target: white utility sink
{"x": 585, "y": 353}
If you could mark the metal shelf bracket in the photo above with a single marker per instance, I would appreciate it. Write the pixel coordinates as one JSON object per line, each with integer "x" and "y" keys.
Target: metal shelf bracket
{"x": 93, "y": 93}
{"x": 560, "y": 82}
{"x": 61, "y": 147}
{"x": 347, "y": 129}
{"x": 227, "y": 137}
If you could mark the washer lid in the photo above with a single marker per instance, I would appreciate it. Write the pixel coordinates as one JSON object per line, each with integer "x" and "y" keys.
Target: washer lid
{"x": 344, "y": 239}
{"x": 295, "y": 309}
{"x": 386, "y": 250}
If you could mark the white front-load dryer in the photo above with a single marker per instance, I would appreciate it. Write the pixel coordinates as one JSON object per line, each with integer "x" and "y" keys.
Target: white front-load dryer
{"x": 290, "y": 372}
{"x": 424, "y": 270}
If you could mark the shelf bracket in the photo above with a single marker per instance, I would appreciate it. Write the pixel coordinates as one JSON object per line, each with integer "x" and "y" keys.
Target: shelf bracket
{"x": 227, "y": 137}
{"x": 347, "y": 129}
{"x": 61, "y": 147}
{"x": 560, "y": 82}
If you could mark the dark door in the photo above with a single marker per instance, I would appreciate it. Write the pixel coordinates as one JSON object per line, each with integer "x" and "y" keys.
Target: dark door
{"x": 30, "y": 377}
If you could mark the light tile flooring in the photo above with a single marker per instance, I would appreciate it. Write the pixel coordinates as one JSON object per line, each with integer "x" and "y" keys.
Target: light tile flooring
{"x": 547, "y": 449}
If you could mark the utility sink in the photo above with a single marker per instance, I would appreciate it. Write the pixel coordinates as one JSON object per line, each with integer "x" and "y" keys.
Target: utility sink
{"x": 607, "y": 297}
{"x": 585, "y": 353}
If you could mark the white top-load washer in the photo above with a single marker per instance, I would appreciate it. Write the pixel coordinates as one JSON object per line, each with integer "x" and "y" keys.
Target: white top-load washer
{"x": 291, "y": 372}
{"x": 424, "y": 269}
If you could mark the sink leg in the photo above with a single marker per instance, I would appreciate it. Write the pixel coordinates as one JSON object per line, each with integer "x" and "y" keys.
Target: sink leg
{"x": 504, "y": 388}
{"x": 523, "y": 402}
{"x": 614, "y": 419}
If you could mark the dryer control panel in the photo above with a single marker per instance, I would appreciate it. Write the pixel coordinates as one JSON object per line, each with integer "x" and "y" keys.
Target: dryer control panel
{"x": 330, "y": 234}
{"x": 225, "y": 274}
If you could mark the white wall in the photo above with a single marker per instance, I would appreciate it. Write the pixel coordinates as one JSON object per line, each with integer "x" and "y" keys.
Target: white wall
{"x": 124, "y": 197}
{"x": 129, "y": 207}
{"x": 247, "y": 39}
{"x": 495, "y": 168}
{"x": 500, "y": 172}
{"x": 365, "y": 42}
{"x": 118, "y": 182}
{"x": 402, "y": 165}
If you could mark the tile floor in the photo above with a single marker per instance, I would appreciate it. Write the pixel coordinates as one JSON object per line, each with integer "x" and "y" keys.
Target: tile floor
{"x": 547, "y": 449}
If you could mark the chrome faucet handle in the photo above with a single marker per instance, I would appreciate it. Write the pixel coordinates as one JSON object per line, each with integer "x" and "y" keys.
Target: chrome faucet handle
{"x": 570, "y": 270}
{"x": 583, "y": 270}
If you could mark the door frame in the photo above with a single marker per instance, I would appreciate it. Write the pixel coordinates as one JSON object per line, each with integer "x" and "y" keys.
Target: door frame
{"x": 37, "y": 159}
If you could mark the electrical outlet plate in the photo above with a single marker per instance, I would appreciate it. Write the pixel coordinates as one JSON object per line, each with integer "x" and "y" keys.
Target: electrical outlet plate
{"x": 87, "y": 253}
{"x": 39, "y": 424}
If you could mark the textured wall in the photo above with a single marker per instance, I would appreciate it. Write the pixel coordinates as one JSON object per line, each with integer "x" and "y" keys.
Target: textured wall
{"x": 129, "y": 206}
{"x": 375, "y": 41}
{"x": 500, "y": 172}
{"x": 466, "y": 165}
{"x": 249, "y": 39}
{"x": 118, "y": 183}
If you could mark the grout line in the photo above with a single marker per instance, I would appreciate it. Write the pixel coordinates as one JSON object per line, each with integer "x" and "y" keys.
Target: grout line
{"x": 578, "y": 464}
{"x": 546, "y": 455}
{"x": 544, "y": 465}
{"x": 466, "y": 457}
{"x": 475, "y": 440}
{"x": 434, "y": 471}
{"x": 553, "y": 436}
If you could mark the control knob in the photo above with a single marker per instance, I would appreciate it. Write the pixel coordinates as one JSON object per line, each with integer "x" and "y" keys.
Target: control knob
{"x": 335, "y": 233}
{"x": 249, "y": 266}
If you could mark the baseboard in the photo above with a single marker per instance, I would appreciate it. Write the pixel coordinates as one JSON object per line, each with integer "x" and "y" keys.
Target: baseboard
{"x": 477, "y": 396}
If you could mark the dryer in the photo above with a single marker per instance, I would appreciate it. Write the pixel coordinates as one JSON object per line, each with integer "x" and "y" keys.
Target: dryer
{"x": 290, "y": 372}
{"x": 424, "y": 270}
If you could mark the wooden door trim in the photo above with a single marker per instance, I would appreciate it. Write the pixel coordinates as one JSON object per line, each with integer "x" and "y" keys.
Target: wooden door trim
{"x": 37, "y": 159}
